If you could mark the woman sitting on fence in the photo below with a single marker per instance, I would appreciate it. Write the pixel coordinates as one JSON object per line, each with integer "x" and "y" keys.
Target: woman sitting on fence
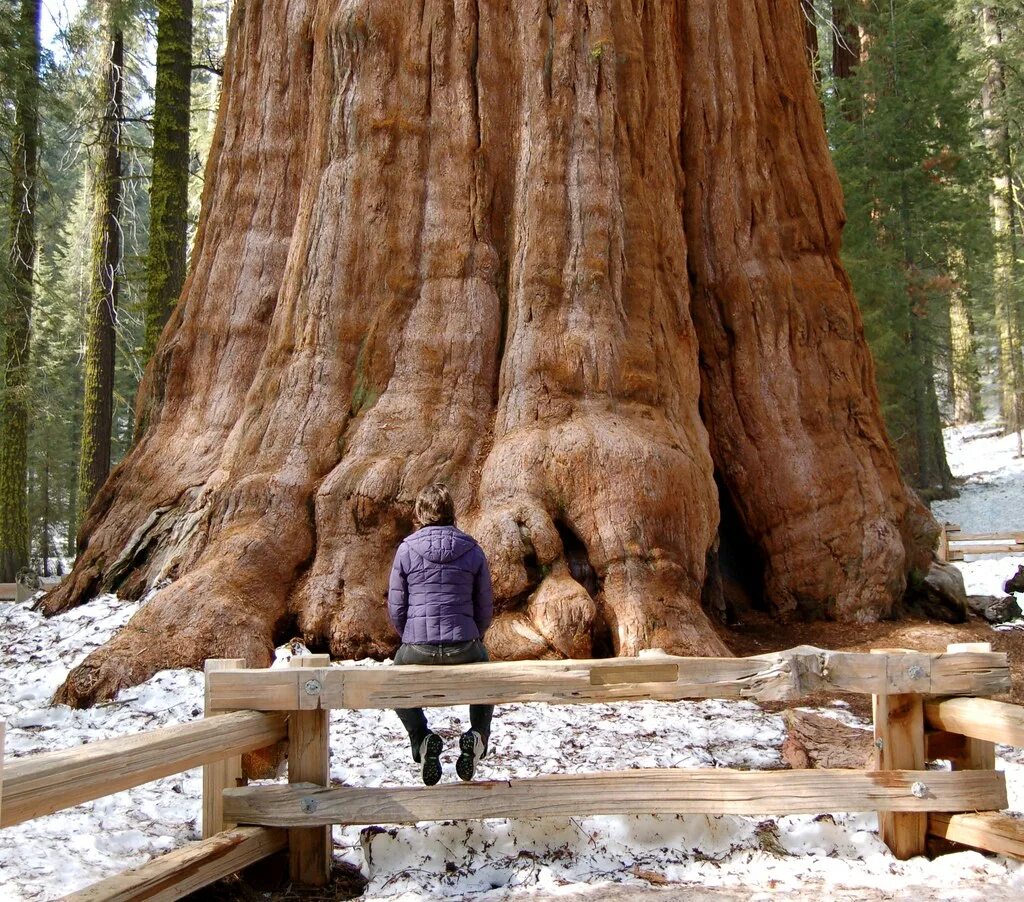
{"x": 439, "y": 600}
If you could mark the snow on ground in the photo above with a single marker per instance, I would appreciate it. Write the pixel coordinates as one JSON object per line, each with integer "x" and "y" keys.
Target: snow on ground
{"x": 47, "y": 857}
{"x": 50, "y": 856}
{"x": 991, "y": 500}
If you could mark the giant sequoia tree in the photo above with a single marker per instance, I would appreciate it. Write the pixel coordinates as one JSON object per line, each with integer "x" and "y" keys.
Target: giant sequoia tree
{"x": 576, "y": 258}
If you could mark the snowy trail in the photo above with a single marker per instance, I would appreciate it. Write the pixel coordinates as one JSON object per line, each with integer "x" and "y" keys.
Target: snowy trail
{"x": 991, "y": 500}
{"x": 543, "y": 858}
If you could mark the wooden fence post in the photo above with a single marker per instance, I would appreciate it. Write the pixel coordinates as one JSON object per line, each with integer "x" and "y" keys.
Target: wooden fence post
{"x": 963, "y": 753}
{"x": 974, "y": 754}
{"x": 309, "y": 756}
{"x": 899, "y": 741}
{"x": 219, "y": 775}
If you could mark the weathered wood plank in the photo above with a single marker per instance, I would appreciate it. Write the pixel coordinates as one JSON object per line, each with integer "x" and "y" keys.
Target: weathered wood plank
{"x": 969, "y": 673}
{"x": 309, "y": 756}
{"x": 939, "y": 744}
{"x": 781, "y": 676}
{"x": 217, "y": 775}
{"x": 44, "y": 783}
{"x": 899, "y": 741}
{"x": 978, "y": 718}
{"x": 988, "y": 537}
{"x": 959, "y": 548}
{"x": 988, "y": 830}
{"x": 970, "y": 753}
{"x": 269, "y": 690}
{"x": 660, "y": 791}
{"x": 185, "y": 870}
{"x": 899, "y": 737}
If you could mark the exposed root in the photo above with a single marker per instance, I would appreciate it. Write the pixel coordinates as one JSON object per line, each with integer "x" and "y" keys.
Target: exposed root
{"x": 181, "y": 626}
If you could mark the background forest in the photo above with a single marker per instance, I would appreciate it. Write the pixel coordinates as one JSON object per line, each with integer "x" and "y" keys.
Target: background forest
{"x": 107, "y": 110}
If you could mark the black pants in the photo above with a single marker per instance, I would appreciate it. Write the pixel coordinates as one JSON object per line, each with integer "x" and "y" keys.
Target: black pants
{"x": 413, "y": 719}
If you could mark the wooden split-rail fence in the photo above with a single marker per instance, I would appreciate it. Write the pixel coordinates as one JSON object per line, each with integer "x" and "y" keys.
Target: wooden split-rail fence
{"x": 926, "y": 707}
{"x": 954, "y": 543}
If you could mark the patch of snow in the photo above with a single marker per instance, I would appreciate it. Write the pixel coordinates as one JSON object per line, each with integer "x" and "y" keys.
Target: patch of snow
{"x": 457, "y": 860}
{"x": 992, "y": 498}
{"x": 496, "y": 859}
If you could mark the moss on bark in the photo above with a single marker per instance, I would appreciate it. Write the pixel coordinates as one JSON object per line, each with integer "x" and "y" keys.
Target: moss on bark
{"x": 169, "y": 193}
{"x": 17, "y": 309}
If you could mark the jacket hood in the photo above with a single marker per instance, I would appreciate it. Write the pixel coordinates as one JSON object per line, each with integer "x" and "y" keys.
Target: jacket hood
{"x": 440, "y": 544}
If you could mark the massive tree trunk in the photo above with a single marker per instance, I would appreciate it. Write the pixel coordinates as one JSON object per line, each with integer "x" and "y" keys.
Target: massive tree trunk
{"x": 531, "y": 250}
{"x": 17, "y": 305}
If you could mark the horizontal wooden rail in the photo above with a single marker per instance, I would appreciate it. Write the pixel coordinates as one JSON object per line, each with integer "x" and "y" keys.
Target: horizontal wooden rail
{"x": 954, "y": 544}
{"x": 958, "y": 536}
{"x": 661, "y": 791}
{"x": 784, "y": 675}
{"x": 979, "y": 718}
{"x": 988, "y": 830}
{"x": 42, "y": 784}
{"x": 983, "y": 545}
{"x": 189, "y": 868}
{"x": 958, "y": 552}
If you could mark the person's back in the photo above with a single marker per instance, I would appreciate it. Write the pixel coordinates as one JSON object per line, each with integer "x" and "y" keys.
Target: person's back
{"x": 446, "y": 587}
{"x": 439, "y": 600}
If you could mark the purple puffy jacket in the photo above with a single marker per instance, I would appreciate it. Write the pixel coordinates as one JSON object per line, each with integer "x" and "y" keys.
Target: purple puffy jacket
{"x": 440, "y": 589}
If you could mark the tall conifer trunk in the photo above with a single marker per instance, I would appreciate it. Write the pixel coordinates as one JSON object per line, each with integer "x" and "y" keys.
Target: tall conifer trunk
{"x": 965, "y": 375}
{"x": 811, "y": 37}
{"x": 571, "y": 258}
{"x": 1004, "y": 227}
{"x": 846, "y": 42}
{"x": 169, "y": 193}
{"x": 17, "y": 312}
{"x": 101, "y": 313}
{"x": 45, "y": 548}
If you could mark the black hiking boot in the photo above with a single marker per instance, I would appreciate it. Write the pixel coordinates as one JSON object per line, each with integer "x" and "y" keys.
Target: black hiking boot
{"x": 430, "y": 759}
{"x": 473, "y": 747}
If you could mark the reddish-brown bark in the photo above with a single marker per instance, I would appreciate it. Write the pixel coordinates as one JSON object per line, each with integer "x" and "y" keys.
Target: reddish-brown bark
{"x": 471, "y": 241}
{"x": 788, "y": 380}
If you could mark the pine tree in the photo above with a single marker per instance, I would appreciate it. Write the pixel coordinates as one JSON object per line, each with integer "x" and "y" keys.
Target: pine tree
{"x": 900, "y": 127}
{"x": 169, "y": 193}
{"x": 94, "y": 459}
{"x": 1005, "y": 226}
{"x": 17, "y": 312}
{"x": 963, "y": 368}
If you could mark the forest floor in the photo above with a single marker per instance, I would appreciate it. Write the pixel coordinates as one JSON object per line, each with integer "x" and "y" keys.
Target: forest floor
{"x": 660, "y": 857}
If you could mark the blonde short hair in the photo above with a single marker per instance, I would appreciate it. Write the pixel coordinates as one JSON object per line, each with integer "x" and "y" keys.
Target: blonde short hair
{"x": 434, "y": 506}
